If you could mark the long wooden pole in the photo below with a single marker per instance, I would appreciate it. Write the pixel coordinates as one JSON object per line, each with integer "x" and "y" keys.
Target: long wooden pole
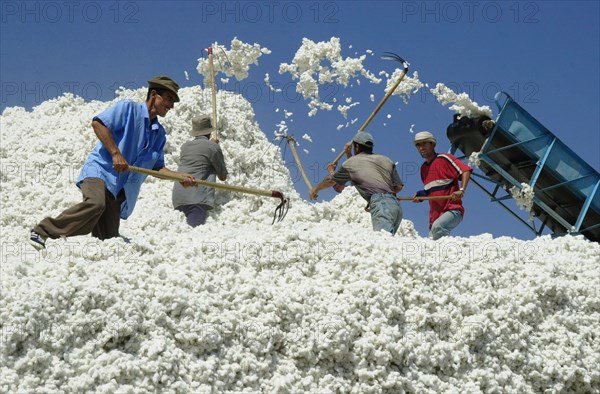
{"x": 292, "y": 144}
{"x": 424, "y": 198}
{"x": 214, "y": 135}
{"x": 241, "y": 189}
{"x": 370, "y": 118}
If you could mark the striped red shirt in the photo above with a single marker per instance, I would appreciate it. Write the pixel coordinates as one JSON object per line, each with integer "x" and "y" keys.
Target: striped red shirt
{"x": 440, "y": 178}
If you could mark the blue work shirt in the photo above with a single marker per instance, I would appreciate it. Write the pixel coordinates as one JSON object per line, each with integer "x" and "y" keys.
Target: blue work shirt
{"x": 141, "y": 143}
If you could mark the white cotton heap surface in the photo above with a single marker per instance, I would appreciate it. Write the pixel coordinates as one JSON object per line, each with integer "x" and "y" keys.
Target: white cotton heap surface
{"x": 316, "y": 303}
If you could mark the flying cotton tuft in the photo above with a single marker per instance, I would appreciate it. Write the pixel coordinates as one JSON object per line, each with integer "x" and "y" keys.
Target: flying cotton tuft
{"x": 234, "y": 62}
{"x": 269, "y": 85}
{"x": 321, "y": 63}
{"x": 461, "y": 103}
{"x": 408, "y": 86}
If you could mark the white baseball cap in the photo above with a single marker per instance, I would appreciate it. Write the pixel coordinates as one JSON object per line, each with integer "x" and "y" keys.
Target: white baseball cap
{"x": 424, "y": 136}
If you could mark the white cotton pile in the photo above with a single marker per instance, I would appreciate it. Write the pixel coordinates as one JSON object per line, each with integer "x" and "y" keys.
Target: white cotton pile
{"x": 461, "y": 103}
{"x": 315, "y": 303}
{"x": 319, "y": 63}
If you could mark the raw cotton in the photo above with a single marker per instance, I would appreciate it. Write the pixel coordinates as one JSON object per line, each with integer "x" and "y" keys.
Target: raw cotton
{"x": 318, "y": 63}
{"x": 461, "y": 103}
{"x": 318, "y": 303}
{"x": 523, "y": 196}
{"x": 234, "y": 62}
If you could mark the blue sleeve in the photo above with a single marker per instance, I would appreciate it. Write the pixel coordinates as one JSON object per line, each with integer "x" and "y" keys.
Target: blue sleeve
{"x": 160, "y": 162}
{"x": 115, "y": 117}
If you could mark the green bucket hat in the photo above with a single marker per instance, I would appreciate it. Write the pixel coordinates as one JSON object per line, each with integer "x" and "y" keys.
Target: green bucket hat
{"x": 164, "y": 82}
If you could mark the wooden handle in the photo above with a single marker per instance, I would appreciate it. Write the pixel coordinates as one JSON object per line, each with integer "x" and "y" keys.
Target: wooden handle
{"x": 241, "y": 189}
{"x": 215, "y": 133}
{"x": 370, "y": 118}
{"x": 424, "y": 198}
{"x": 291, "y": 143}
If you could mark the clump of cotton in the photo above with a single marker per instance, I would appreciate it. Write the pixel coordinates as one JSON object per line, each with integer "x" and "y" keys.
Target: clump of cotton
{"x": 407, "y": 87}
{"x": 267, "y": 81}
{"x": 461, "y": 103}
{"x": 320, "y": 63}
{"x": 281, "y": 131}
{"x": 233, "y": 62}
{"x": 343, "y": 109}
{"x": 474, "y": 159}
{"x": 523, "y": 196}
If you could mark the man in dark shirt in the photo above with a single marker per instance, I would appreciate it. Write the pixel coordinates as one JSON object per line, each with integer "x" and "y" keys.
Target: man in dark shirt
{"x": 376, "y": 179}
{"x": 204, "y": 159}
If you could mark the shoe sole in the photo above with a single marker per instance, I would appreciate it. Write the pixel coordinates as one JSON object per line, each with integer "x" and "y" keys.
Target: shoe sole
{"x": 37, "y": 245}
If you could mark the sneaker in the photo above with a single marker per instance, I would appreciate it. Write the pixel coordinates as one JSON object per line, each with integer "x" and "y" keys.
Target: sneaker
{"x": 37, "y": 241}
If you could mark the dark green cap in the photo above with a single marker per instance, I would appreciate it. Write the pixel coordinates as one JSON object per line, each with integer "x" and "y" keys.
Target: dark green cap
{"x": 164, "y": 82}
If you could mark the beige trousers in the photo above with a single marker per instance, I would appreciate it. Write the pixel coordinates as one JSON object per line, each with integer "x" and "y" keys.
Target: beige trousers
{"x": 98, "y": 213}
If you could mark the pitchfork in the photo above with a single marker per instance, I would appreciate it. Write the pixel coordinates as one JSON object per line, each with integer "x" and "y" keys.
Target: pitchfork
{"x": 280, "y": 211}
{"x": 386, "y": 56}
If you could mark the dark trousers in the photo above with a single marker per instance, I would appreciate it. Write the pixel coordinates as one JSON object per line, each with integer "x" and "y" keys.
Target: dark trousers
{"x": 195, "y": 214}
{"x": 98, "y": 213}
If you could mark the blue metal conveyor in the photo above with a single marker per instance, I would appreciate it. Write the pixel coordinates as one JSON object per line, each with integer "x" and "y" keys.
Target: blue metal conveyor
{"x": 520, "y": 150}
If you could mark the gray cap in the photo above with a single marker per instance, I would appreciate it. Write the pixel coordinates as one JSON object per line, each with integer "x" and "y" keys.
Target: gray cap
{"x": 363, "y": 138}
{"x": 201, "y": 126}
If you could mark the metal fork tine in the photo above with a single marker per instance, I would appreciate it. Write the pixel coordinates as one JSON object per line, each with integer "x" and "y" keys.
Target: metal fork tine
{"x": 392, "y": 56}
{"x": 281, "y": 210}
{"x": 227, "y": 62}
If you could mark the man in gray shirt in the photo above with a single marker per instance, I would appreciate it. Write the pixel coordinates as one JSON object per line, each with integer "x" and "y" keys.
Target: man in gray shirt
{"x": 376, "y": 179}
{"x": 204, "y": 159}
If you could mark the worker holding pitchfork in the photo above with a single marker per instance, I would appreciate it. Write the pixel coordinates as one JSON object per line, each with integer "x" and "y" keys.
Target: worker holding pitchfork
{"x": 376, "y": 179}
{"x": 129, "y": 134}
{"x": 440, "y": 174}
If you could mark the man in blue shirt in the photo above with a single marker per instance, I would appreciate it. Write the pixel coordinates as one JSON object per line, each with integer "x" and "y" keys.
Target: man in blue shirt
{"x": 128, "y": 133}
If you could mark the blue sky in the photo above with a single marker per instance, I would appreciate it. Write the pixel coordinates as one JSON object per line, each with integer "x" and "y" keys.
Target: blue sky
{"x": 545, "y": 54}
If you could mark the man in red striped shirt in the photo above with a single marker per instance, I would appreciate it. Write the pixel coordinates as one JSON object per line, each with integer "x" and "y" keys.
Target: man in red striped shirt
{"x": 440, "y": 174}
